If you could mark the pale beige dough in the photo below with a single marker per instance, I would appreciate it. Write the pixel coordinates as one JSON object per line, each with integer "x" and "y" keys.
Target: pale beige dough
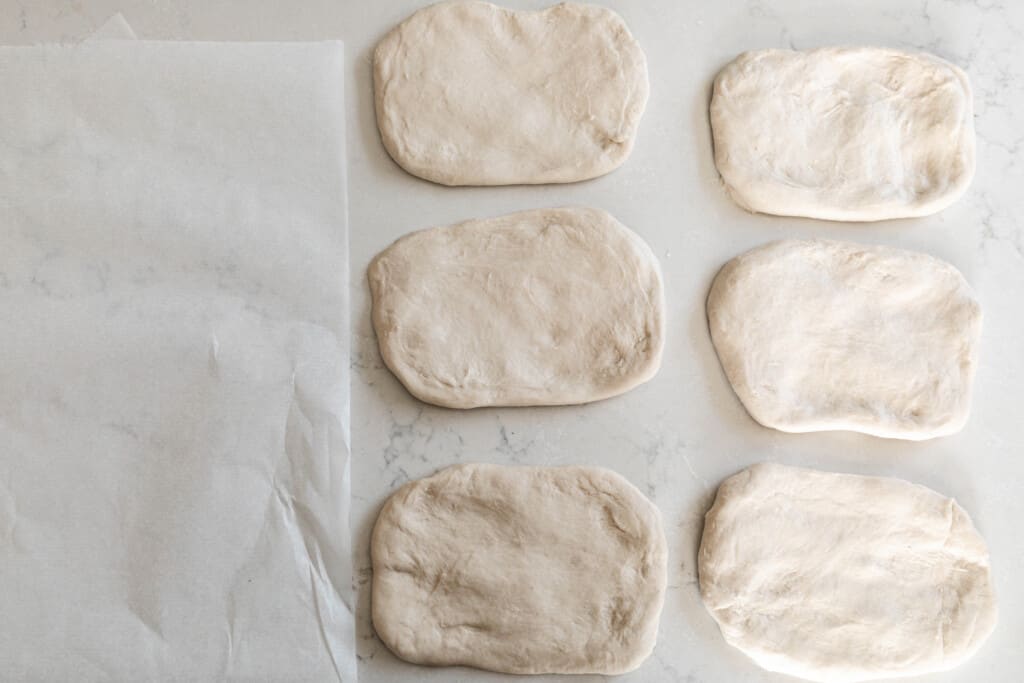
{"x": 847, "y": 134}
{"x": 520, "y": 570}
{"x": 820, "y": 335}
{"x": 543, "y": 307}
{"x": 841, "y": 578}
{"x": 469, "y": 93}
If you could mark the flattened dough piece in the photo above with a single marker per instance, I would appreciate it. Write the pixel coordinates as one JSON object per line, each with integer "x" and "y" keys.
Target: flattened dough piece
{"x": 520, "y": 570}
{"x": 820, "y": 335}
{"x": 845, "y": 134}
{"x": 838, "y": 577}
{"x": 545, "y": 307}
{"x": 469, "y": 93}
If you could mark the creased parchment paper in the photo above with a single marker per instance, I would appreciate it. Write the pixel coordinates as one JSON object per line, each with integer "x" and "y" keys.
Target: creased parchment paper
{"x": 116, "y": 27}
{"x": 173, "y": 363}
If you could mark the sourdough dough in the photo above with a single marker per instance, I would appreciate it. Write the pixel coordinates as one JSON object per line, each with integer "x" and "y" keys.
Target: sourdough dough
{"x": 543, "y": 307}
{"x": 846, "y": 134}
{"x": 520, "y": 570}
{"x": 469, "y": 93}
{"x": 818, "y": 335}
{"x": 837, "y": 577}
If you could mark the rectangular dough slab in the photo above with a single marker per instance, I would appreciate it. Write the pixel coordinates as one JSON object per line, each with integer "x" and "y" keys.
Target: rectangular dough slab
{"x": 840, "y": 578}
{"x": 818, "y": 335}
{"x": 469, "y": 93}
{"x": 542, "y": 307}
{"x": 845, "y": 134}
{"x": 520, "y": 570}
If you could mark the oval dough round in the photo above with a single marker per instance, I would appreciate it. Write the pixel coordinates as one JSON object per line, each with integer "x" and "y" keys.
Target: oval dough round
{"x": 846, "y": 134}
{"x": 520, "y": 570}
{"x": 841, "y": 578}
{"x": 469, "y": 93}
{"x": 543, "y": 307}
{"x": 819, "y": 335}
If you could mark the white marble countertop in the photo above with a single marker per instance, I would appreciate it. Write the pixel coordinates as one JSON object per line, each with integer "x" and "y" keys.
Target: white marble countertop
{"x": 679, "y": 435}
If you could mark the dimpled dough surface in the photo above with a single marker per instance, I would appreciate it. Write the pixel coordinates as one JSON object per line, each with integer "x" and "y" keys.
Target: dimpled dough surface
{"x": 544, "y": 307}
{"x": 820, "y": 335}
{"x": 848, "y": 134}
{"x": 520, "y": 570}
{"x": 468, "y": 93}
{"x": 841, "y": 578}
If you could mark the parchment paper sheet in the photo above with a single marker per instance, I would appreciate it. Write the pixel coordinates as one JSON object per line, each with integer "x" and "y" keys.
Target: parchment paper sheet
{"x": 173, "y": 363}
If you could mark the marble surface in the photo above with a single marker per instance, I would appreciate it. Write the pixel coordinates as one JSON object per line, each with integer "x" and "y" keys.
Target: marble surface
{"x": 679, "y": 435}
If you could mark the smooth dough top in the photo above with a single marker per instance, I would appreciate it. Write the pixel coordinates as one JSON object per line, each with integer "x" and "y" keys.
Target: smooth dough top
{"x": 840, "y": 578}
{"x": 846, "y": 134}
{"x": 542, "y": 307}
{"x": 818, "y": 335}
{"x": 520, "y": 570}
{"x": 469, "y": 93}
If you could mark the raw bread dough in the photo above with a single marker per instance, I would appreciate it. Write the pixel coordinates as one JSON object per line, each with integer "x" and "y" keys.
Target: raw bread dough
{"x": 818, "y": 335}
{"x": 520, "y": 570}
{"x": 846, "y": 134}
{"x": 469, "y": 93}
{"x": 837, "y": 577}
{"x": 545, "y": 307}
